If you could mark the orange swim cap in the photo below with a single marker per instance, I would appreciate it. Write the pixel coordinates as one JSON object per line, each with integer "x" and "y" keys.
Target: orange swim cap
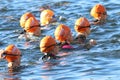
{"x": 82, "y": 25}
{"x": 13, "y": 53}
{"x": 62, "y": 33}
{"x": 47, "y": 44}
{"x": 46, "y": 17}
{"x": 98, "y": 11}
{"x": 24, "y": 18}
{"x": 32, "y": 26}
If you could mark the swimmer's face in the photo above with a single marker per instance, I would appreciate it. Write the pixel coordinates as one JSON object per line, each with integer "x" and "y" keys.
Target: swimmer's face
{"x": 102, "y": 16}
{"x": 81, "y": 39}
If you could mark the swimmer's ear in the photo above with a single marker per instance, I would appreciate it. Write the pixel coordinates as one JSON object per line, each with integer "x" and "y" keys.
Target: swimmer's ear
{"x": 44, "y": 58}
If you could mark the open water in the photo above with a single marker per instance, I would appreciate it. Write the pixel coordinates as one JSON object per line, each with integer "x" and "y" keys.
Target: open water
{"x": 99, "y": 63}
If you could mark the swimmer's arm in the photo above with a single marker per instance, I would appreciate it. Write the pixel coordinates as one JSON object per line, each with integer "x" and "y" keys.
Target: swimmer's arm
{"x": 90, "y": 44}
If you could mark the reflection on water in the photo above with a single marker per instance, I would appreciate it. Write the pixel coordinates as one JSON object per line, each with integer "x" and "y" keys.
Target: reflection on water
{"x": 9, "y": 76}
{"x": 99, "y": 63}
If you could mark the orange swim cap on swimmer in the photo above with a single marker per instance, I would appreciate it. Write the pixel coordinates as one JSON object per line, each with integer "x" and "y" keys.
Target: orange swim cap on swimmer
{"x": 47, "y": 44}
{"x": 32, "y": 26}
{"x": 62, "y": 33}
{"x": 46, "y": 16}
{"x": 24, "y": 18}
{"x": 98, "y": 11}
{"x": 82, "y": 25}
{"x": 12, "y": 53}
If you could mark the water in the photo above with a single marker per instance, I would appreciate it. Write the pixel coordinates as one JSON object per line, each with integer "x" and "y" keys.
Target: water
{"x": 99, "y": 63}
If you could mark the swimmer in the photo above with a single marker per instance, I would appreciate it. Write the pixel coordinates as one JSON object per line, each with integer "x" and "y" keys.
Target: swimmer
{"x": 47, "y": 16}
{"x": 24, "y": 18}
{"x": 49, "y": 48}
{"x": 64, "y": 36}
{"x": 12, "y": 55}
{"x": 30, "y": 25}
{"x": 82, "y": 27}
{"x": 99, "y": 13}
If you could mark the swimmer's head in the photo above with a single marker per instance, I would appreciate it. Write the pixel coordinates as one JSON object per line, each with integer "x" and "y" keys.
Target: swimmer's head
{"x": 32, "y": 26}
{"x": 82, "y": 26}
{"x": 99, "y": 12}
{"x": 46, "y": 17}
{"x": 24, "y": 18}
{"x": 63, "y": 33}
{"x": 48, "y": 45}
{"x": 12, "y": 54}
{"x": 80, "y": 38}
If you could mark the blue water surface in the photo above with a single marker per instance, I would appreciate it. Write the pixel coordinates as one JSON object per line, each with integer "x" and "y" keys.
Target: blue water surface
{"x": 99, "y": 63}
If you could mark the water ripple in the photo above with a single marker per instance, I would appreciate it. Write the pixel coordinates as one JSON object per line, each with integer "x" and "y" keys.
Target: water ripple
{"x": 99, "y": 63}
